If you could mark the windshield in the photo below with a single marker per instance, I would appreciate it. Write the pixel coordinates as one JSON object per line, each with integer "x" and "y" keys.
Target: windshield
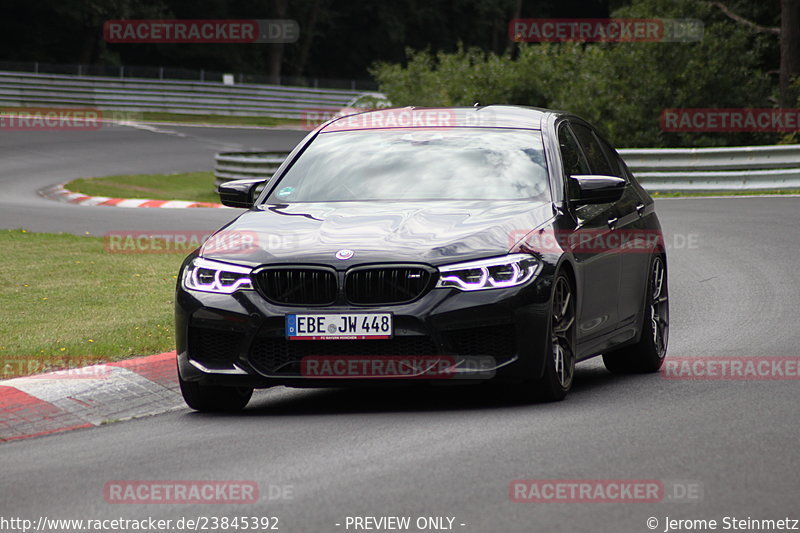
{"x": 396, "y": 164}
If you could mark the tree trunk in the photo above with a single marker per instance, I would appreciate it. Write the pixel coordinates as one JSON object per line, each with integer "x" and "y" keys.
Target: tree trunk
{"x": 307, "y": 39}
{"x": 275, "y": 50}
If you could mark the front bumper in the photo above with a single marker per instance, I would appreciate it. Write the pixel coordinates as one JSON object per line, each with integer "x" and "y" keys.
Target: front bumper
{"x": 239, "y": 339}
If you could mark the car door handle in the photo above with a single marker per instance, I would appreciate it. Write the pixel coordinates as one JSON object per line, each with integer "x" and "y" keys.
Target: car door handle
{"x": 640, "y": 209}
{"x": 612, "y": 222}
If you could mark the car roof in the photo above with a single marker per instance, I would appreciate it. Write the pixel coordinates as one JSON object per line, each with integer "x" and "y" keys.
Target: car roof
{"x": 491, "y": 116}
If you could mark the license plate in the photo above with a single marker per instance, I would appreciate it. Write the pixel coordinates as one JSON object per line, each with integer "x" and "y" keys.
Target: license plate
{"x": 347, "y": 326}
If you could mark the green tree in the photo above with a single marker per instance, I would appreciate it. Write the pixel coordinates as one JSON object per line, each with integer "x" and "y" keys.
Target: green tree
{"x": 621, "y": 87}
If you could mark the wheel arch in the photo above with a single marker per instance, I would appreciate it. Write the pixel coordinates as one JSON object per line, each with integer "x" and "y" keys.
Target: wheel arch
{"x": 566, "y": 266}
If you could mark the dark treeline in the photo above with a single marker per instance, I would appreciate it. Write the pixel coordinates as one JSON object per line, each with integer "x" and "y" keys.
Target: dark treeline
{"x": 338, "y": 38}
{"x": 456, "y": 52}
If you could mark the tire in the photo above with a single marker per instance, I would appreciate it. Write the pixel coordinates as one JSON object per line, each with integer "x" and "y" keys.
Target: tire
{"x": 205, "y": 398}
{"x": 648, "y": 354}
{"x": 559, "y": 369}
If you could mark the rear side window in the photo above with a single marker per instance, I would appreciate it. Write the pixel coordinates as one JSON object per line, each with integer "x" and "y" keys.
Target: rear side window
{"x": 571, "y": 156}
{"x": 594, "y": 152}
{"x": 617, "y": 166}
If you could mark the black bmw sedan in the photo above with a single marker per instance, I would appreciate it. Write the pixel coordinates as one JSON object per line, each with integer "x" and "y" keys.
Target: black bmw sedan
{"x": 485, "y": 244}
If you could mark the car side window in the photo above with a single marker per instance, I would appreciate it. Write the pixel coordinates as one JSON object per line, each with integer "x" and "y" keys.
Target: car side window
{"x": 572, "y": 158}
{"x": 594, "y": 152}
{"x": 617, "y": 166}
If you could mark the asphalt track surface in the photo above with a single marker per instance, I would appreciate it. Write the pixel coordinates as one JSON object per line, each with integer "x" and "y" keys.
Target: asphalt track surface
{"x": 447, "y": 451}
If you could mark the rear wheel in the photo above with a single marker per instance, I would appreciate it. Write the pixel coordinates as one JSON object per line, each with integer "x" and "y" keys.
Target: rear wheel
{"x": 648, "y": 354}
{"x": 208, "y": 398}
{"x": 560, "y": 363}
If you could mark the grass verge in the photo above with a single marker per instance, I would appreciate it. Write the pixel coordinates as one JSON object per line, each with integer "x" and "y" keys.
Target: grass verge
{"x": 190, "y": 186}
{"x": 64, "y": 298}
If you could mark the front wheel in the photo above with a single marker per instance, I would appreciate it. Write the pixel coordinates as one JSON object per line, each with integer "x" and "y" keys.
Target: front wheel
{"x": 648, "y": 354}
{"x": 209, "y": 398}
{"x": 560, "y": 362}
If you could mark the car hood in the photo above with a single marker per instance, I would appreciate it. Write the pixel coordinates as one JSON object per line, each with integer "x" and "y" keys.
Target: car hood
{"x": 428, "y": 232}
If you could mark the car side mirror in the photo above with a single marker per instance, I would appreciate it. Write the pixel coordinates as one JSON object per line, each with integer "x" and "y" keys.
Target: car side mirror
{"x": 239, "y": 193}
{"x": 597, "y": 189}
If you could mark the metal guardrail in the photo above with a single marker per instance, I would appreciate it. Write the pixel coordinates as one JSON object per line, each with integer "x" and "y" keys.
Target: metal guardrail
{"x": 246, "y": 165}
{"x": 176, "y": 73}
{"x": 742, "y": 168}
{"x": 728, "y": 158}
{"x": 171, "y": 96}
{"x": 745, "y": 168}
{"x": 749, "y": 180}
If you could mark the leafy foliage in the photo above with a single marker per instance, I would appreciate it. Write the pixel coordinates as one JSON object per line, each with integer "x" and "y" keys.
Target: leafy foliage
{"x": 620, "y": 87}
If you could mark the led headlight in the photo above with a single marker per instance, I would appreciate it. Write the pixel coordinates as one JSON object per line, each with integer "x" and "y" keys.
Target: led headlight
{"x": 211, "y": 276}
{"x": 495, "y": 273}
